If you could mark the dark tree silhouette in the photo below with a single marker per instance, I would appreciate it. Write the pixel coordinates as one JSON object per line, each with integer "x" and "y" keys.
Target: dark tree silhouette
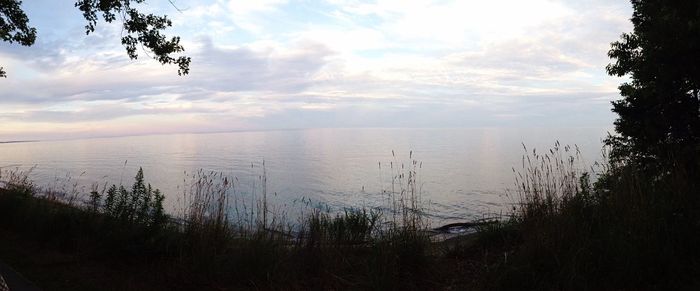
{"x": 659, "y": 112}
{"x": 139, "y": 29}
{"x": 14, "y": 25}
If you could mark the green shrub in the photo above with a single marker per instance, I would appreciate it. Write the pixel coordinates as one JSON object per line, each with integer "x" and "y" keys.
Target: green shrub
{"x": 142, "y": 205}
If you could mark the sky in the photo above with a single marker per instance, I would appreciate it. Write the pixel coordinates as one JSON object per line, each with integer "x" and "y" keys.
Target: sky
{"x": 282, "y": 64}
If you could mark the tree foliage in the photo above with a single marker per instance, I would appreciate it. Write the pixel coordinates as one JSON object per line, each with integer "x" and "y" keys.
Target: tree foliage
{"x": 14, "y": 25}
{"x": 660, "y": 109}
{"x": 139, "y": 29}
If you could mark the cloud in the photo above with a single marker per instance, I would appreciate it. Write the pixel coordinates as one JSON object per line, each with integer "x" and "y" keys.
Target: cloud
{"x": 269, "y": 68}
{"x": 275, "y": 64}
{"x": 238, "y": 81}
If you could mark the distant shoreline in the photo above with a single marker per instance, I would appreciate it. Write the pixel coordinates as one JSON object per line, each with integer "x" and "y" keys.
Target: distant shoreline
{"x": 17, "y": 141}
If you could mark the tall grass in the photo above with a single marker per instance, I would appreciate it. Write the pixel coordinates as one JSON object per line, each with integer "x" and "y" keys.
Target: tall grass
{"x": 606, "y": 227}
{"x": 216, "y": 202}
{"x": 225, "y": 227}
{"x": 17, "y": 180}
{"x": 404, "y": 196}
{"x": 548, "y": 182}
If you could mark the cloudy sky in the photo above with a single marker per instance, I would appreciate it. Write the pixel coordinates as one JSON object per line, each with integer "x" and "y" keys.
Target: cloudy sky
{"x": 274, "y": 64}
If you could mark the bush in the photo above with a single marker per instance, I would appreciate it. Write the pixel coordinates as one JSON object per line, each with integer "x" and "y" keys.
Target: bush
{"x": 142, "y": 205}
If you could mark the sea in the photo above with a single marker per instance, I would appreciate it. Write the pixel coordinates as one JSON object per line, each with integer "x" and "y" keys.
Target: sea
{"x": 459, "y": 174}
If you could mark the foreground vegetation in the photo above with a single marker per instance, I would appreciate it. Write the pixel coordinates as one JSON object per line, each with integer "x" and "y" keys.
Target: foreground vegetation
{"x": 626, "y": 230}
{"x": 630, "y": 230}
{"x": 215, "y": 242}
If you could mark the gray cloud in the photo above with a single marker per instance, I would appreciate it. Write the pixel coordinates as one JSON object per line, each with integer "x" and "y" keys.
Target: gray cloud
{"x": 219, "y": 75}
{"x": 243, "y": 69}
{"x": 214, "y": 70}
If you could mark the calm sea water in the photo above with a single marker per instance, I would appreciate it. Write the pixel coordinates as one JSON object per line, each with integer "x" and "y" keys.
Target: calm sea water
{"x": 465, "y": 173}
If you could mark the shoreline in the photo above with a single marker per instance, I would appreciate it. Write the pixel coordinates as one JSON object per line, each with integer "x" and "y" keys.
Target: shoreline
{"x": 18, "y": 141}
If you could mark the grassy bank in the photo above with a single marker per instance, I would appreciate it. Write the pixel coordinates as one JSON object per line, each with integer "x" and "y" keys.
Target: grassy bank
{"x": 119, "y": 237}
{"x": 72, "y": 248}
{"x": 633, "y": 229}
{"x": 629, "y": 229}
